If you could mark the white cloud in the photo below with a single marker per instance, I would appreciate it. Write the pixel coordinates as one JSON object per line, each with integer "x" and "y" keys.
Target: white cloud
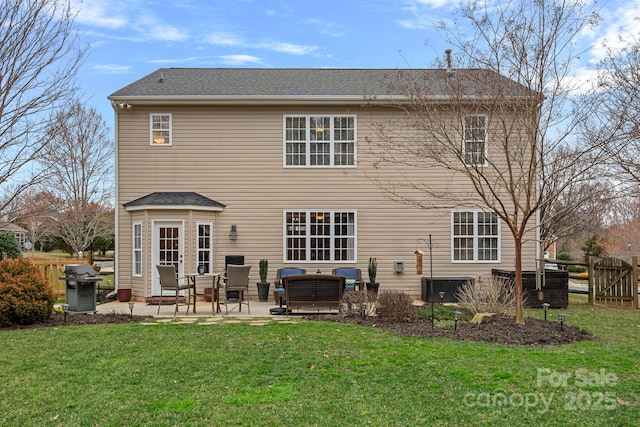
{"x": 239, "y": 59}
{"x": 294, "y": 49}
{"x": 619, "y": 28}
{"x": 156, "y": 29}
{"x": 423, "y": 13}
{"x": 327, "y": 28}
{"x": 189, "y": 59}
{"x": 435, "y": 3}
{"x": 99, "y": 13}
{"x": 232, "y": 40}
{"x": 140, "y": 23}
{"x": 112, "y": 68}
{"x": 224, "y": 39}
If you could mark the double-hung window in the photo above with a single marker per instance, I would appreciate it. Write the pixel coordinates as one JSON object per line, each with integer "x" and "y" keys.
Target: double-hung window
{"x": 320, "y": 236}
{"x": 319, "y": 141}
{"x": 160, "y": 125}
{"x": 475, "y": 236}
{"x": 474, "y": 144}
{"x": 137, "y": 249}
{"x": 205, "y": 248}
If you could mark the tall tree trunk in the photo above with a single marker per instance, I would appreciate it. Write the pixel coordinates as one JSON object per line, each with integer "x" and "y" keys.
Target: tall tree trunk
{"x": 518, "y": 284}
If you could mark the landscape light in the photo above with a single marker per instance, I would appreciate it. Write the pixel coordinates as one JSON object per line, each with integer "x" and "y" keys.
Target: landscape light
{"x": 456, "y": 318}
{"x": 545, "y": 306}
{"x": 65, "y": 310}
{"x": 131, "y": 308}
{"x": 561, "y": 317}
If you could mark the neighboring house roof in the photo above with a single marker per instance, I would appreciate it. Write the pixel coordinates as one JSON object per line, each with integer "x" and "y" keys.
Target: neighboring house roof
{"x": 174, "y": 200}
{"x": 8, "y": 227}
{"x": 180, "y": 85}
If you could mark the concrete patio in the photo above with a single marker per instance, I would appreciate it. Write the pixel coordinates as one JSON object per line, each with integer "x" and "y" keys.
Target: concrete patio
{"x": 203, "y": 309}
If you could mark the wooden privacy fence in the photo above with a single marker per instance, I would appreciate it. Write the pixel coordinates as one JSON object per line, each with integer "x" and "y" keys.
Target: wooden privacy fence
{"x": 51, "y": 270}
{"x": 613, "y": 281}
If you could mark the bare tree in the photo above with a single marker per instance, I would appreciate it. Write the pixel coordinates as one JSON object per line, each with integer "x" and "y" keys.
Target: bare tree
{"x": 39, "y": 59}
{"x": 34, "y": 211}
{"x": 80, "y": 161}
{"x": 573, "y": 204}
{"x": 514, "y": 84}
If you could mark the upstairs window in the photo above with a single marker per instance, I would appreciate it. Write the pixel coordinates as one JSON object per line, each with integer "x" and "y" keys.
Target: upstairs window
{"x": 475, "y": 236}
{"x": 160, "y": 125}
{"x": 474, "y": 144}
{"x": 319, "y": 141}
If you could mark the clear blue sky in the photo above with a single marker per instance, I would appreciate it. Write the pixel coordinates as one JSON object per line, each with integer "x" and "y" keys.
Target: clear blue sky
{"x": 131, "y": 38}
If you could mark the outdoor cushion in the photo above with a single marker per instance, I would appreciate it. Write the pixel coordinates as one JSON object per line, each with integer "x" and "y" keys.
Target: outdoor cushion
{"x": 348, "y": 273}
{"x": 351, "y": 276}
{"x": 350, "y": 285}
{"x": 289, "y": 272}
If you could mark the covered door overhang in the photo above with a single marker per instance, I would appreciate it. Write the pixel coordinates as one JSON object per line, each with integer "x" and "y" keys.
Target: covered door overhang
{"x": 178, "y": 200}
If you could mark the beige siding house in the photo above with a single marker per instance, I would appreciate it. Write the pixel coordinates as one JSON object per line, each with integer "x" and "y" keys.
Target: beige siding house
{"x": 270, "y": 163}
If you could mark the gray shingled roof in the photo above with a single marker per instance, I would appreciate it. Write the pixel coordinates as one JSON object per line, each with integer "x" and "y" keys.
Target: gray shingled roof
{"x": 177, "y": 199}
{"x": 260, "y": 83}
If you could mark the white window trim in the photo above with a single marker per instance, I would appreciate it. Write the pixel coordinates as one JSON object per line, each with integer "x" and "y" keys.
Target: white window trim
{"x": 475, "y": 239}
{"x": 136, "y": 249}
{"x": 198, "y": 250}
{"x": 307, "y": 140}
{"x": 170, "y": 143}
{"x": 486, "y": 140}
{"x": 307, "y": 237}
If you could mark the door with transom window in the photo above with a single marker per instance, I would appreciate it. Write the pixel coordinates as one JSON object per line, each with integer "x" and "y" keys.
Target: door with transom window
{"x": 168, "y": 249}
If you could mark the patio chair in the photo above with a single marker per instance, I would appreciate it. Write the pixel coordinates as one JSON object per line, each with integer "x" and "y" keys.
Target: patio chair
{"x": 352, "y": 276}
{"x": 169, "y": 281}
{"x": 281, "y": 273}
{"x": 237, "y": 280}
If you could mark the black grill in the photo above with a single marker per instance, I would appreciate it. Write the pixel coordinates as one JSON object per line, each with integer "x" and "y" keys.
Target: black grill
{"x": 81, "y": 282}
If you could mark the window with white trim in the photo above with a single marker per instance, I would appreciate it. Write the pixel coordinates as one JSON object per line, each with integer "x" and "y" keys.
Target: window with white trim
{"x": 160, "y": 125}
{"x": 205, "y": 247}
{"x": 137, "y": 249}
{"x": 475, "y": 236}
{"x": 320, "y": 236}
{"x": 474, "y": 144}
{"x": 320, "y": 140}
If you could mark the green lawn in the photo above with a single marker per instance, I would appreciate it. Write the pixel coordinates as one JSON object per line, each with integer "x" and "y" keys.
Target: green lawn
{"x": 316, "y": 374}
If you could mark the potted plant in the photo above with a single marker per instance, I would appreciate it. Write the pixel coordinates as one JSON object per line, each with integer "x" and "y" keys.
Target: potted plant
{"x": 263, "y": 286}
{"x": 372, "y": 285}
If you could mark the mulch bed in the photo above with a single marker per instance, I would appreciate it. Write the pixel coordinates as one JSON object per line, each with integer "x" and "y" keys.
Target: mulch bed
{"x": 535, "y": 332}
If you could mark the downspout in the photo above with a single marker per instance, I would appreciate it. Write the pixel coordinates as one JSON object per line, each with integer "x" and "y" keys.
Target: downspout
{"x": 116, "y": 264}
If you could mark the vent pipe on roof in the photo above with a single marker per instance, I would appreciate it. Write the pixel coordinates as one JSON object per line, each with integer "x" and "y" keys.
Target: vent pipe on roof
{"x": 448, "y": 53}
{"x": 161, "y": 77}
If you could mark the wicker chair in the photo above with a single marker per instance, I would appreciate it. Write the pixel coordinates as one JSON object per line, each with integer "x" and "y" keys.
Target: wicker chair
{"x": 237, "y": 281}
{"x": 169, "y": 281}
{"x": 353, "y": 277}
{"x": 281, "y": 273}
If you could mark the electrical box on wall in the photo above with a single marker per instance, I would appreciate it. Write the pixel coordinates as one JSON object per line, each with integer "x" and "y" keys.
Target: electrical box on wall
{"x": 398, "y": 266}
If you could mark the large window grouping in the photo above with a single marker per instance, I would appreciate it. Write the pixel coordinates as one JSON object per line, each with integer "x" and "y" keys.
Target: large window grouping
{"x": 320, "y": 236}
{"x": 475, "y": 236}
{"x": 317, "y": 141}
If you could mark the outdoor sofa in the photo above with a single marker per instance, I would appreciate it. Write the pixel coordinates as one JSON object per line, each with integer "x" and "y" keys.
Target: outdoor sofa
{"x": 313, "y": 291}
